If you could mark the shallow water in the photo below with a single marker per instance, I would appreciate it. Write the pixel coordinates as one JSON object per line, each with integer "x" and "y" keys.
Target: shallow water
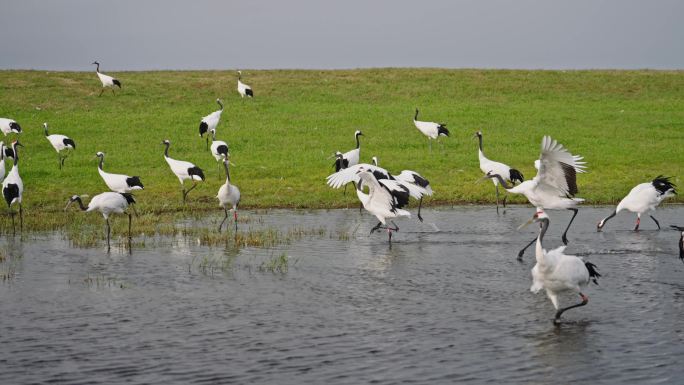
{"x": 448, "y": 302}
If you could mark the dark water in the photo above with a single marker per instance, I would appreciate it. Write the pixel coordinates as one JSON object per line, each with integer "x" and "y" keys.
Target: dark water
{"x": 447, "y": 303}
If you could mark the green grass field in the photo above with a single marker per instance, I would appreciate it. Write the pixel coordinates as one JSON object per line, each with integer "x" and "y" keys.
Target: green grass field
{"x": 629, "y": 126}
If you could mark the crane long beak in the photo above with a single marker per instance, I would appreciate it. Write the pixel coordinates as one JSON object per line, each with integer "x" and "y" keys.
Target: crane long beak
{"x": 231, "y": 163}
{"x": 68, "y": 204}
{"x": 479, "y": 180}
{"x": 526, "y": 224}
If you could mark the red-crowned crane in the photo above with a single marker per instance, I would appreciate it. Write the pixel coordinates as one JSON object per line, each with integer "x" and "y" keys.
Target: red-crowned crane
{"x": 228, "y": 196}
{"x": 107, "y": 203}
{"x": 430, "y": 129}
{"x": 61, "y": 143}
{"x": 106, "y": 80}
{"x": 557, "y": 272}
{"x": 209, "y": 122}
{"x": 13, "y": 188}
{"x": 183, "y": 170}
{"x": 384, "y": 200}
{"x": 118, "y": 182}
{"x": 643, "y": 198}
{"x": 554, "y": 186}
{"x": 242, "y": 88}
{"x": 8, "y": 126}
{"x": 507, "y": 173}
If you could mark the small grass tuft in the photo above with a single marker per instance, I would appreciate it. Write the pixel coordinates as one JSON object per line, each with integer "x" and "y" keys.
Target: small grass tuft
{"x": 279, "y": 264}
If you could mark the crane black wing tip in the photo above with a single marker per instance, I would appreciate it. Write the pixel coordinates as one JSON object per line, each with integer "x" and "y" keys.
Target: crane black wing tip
{"x": 134, "y": 181}
{"x": 516, "y": 176}
{"x": 14, "y": 126}
{"x": 420, "y": 181}
{"x": 570, "y": 178}
{"x": 10, "y": 192}
{"x": 116, "y": 83}
{"x": 70, "y": 142}
{"x": 663, "y": 184}
{"x": 593, "y": 272}
{"x": 129, "y": 197}
{"x": 196, "y": 171}
{"x": 442, "y": 130}
{"x": 249, "y": 92}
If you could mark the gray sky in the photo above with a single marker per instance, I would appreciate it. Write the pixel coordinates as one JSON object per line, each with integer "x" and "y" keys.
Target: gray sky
{"x": 208, "y": 34}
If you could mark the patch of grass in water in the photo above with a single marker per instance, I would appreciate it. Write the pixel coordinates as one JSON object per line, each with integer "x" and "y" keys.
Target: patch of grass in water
{"x": 279, "y": 264}
{"x": 101, "y": 281}
{"x": 210, "y": 265}
{"x": 8, "y": 265}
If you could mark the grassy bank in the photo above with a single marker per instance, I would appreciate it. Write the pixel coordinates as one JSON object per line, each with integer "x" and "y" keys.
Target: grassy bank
{"x": 629, "y": 125}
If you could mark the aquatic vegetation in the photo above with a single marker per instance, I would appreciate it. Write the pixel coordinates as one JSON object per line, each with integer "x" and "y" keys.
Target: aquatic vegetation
{"x": 100, "y": 280}
{"x": 279, "y": 264}
{"x": 8, "y": 264}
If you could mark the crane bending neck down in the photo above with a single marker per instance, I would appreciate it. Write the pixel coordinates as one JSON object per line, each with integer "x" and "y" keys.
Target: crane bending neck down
{"x": 497, "y": 176}
{"x": 522, "y": 188}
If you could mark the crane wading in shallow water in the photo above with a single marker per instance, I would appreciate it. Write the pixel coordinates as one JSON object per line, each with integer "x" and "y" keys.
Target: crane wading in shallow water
{"x": 554, "y": 186}
{"x": 416, "y": 185}
{"x": 228, "y": 196}
{"x": 107, "y": 203}
{"x": 643, "y": 198}
{"x": 557, "y": 272}
{"x": 385, "y": 199}
{"x": 13, "y": 188}
{"x": 681, "y": 240}
{"x": 489, "y": 166}
{"x": 183, "y": 170}
{"x": 106, "y": 80}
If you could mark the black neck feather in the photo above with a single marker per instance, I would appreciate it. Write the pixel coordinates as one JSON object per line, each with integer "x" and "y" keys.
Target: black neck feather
{"x": 225, "y": 166}
{"x": 80, "y": 204}
{"x": 16, "y": 153}
{"x": 501, "y": 180}
{"x": 544, "y": 226}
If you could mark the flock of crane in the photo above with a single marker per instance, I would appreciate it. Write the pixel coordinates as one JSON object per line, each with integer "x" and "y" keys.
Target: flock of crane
{"x": 381, "y": 193}
{"x": 120, "y": 198}
{"x": 553, "y": 188}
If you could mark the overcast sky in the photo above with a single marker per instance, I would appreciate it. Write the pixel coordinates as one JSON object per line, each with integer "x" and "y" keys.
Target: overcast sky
{"x": 208, "y": 34}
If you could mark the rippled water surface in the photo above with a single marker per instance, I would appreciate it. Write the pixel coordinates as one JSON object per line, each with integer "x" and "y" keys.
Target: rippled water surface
{"x": 448, "y": 302}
